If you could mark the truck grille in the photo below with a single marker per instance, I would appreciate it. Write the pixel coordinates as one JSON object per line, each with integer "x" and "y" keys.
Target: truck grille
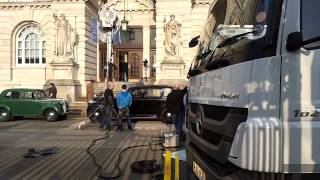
{"x": 218, "y": 128}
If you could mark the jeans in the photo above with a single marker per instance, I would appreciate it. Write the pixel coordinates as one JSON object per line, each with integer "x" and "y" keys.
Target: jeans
{"x": 124, "y": 112}
{"x": 178, "y": 120}
{"x": 107, "y": 117}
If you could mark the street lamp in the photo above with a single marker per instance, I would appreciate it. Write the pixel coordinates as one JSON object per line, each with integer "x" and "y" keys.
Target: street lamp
{"x": 124, "y": 22}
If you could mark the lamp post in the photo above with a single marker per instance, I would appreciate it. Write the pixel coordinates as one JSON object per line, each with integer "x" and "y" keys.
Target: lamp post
{"x": 107, "y": 17}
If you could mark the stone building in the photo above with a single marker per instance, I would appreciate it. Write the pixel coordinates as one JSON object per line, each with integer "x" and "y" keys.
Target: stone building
{"x": 44, "y": 41}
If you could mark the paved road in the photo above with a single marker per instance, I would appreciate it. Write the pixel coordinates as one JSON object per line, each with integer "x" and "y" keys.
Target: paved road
{"x": 71, "y": 160}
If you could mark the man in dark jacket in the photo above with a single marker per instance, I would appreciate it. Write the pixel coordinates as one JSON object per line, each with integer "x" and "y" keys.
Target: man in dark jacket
{"x": 174, "y": 105}
{"x": 124, "y": 101}
{"x": 108, "y": 106}
{"x": 52, "y": 91}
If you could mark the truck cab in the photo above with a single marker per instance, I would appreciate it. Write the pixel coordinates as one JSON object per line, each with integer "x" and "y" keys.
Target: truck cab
{"x": 254, "y": 101}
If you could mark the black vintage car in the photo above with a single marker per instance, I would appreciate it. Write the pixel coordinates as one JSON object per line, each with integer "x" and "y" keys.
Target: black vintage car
{"x": 148, "y": 102}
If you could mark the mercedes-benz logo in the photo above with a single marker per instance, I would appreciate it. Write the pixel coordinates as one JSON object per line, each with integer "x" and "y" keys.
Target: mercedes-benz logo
{"x": 199, "y": 127}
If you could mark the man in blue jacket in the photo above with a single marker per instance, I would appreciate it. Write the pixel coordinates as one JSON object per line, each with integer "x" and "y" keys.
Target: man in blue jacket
{"x": 124, "y": 101}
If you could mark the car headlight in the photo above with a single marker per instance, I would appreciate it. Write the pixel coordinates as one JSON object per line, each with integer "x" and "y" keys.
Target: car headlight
{"x": 168, "y": 115}
{"x": 92, "y": 101}
{"x": 61, "y": 102}
{"x": 96, "y": 114}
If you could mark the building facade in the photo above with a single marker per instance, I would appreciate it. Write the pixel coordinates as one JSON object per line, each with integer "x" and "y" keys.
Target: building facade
{"x": 44, "y": 41}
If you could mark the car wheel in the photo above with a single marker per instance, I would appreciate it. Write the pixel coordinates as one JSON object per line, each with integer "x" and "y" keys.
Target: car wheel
{"x": 95, "y": 114}
{"x": 5, "y": 115}
{"x": 51, "y": 115}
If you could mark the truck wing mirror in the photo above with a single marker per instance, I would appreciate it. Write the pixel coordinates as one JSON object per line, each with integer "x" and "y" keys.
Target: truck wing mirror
{"x": 193, "y": 72}
{"x": 294, "y": 41}
{"x": 217, "y": 63}
{"x": 194, "y": 42}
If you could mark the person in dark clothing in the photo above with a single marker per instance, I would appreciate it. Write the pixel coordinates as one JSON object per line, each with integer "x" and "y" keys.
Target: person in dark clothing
{"x": 108, "y": 106}
{"x": 124, "y": 101}
{"x": 174, "y": 105}
{"x": 52, "y": 91}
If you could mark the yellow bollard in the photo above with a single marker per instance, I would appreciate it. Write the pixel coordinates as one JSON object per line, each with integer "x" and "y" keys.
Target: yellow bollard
{"x": 176, "y": 167}
{"x": 167, "y": 166}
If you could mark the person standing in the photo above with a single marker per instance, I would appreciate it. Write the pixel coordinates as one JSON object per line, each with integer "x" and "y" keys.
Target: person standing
{"x": 108, "y": 106}
{"x": 174, "y": 105}
{"x": 90, "y": 91}
{"x": 141, "y": 82}
{"x": 52, "y": 91}
{"x": 124, "y": 101}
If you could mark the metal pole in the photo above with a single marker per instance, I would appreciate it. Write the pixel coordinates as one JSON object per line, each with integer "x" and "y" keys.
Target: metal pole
{"x": 108, "y": 55}
{"x": 109, "y": 51}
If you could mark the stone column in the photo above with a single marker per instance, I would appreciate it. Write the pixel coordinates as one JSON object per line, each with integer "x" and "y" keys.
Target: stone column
{"x": 146, "y": 50}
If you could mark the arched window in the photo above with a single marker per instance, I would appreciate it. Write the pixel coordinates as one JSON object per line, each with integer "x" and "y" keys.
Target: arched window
{"x": 30, "y": 47}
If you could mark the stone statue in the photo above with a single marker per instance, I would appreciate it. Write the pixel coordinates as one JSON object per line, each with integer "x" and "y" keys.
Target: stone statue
{"x": 172, "y": 38}
{"x": 57, "y": 23}
{"x": 66, "y": 38}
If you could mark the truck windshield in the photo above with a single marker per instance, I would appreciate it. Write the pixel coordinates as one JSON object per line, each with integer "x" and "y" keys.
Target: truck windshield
{"x": 228, "y": 18}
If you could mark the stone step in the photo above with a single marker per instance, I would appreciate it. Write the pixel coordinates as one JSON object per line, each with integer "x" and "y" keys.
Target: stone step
{"x": 78, "y": 108}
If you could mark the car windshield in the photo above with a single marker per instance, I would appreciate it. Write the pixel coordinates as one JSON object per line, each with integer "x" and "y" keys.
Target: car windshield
{"x": 166, "y": 91}
{"x": 40, "y": 94}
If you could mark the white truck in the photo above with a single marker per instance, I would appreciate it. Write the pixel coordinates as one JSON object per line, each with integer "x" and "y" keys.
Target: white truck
{"x": 254, "y": 98}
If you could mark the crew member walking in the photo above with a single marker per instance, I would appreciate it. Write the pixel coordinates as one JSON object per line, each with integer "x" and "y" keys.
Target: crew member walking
{"x": 124, "y": 101}
{"x": 108, "y": 106}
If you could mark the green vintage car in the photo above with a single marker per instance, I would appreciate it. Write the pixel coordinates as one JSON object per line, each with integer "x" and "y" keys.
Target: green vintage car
{"x": 30, "y": 103}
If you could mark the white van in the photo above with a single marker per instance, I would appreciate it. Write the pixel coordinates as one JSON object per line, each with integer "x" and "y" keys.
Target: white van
{"x": 254, "y": 99}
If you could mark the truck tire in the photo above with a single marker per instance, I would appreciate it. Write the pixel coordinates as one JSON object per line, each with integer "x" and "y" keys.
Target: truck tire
{"x": 5, "y": 115}
{"x": 51, "y": 115}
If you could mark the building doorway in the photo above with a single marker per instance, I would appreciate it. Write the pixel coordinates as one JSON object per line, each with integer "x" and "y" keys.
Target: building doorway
{"x": 129, "y": 65}
{"x": 123, "y": 66}
{"x": 102, "y": 62}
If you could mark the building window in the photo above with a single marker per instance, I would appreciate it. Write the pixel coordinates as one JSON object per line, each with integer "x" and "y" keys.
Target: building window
{"x": 135, "y": 65}
{"x": 30, "y": 47}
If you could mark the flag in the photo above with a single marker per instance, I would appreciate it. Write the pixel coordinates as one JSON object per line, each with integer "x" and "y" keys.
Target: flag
{"x": 116, "y": 36}
{"x": 94, "y": 30}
